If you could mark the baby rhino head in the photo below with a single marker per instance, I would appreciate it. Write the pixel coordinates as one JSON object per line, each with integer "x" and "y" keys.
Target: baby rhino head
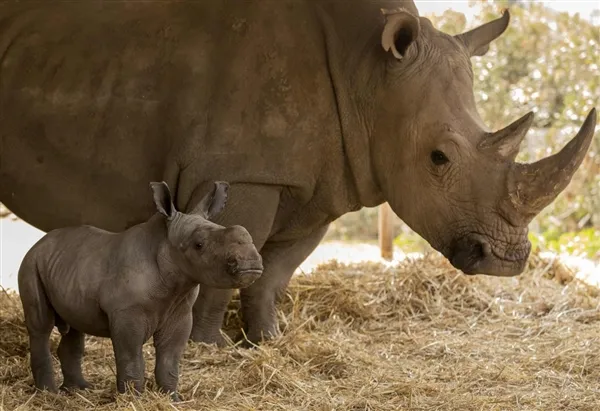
{"x": 208, "y": 253}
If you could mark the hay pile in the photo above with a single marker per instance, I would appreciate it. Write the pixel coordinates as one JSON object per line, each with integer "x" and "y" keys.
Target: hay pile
{"x": 418, "y": 336}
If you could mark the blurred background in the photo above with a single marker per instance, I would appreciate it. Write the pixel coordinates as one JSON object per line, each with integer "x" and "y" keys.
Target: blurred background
{"x": 548, "y": 62}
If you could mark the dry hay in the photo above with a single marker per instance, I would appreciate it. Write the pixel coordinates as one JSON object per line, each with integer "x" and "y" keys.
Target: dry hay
{"x": 418, "y": 336}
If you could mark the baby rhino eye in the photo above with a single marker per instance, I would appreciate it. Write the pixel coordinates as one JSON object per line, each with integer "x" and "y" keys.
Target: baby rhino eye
{"x": 198, "y": 246}
{"x": 438, "y": 158}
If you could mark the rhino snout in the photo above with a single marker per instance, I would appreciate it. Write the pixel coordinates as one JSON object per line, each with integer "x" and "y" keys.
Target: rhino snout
{"x": 237, "y": 265}
{"x": 474, "y": 254}
{"x": 245, "y": 270}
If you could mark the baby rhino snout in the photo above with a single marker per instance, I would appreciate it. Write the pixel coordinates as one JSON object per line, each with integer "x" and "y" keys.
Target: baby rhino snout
{"x": 244, "y": 263}
{"x": 245, "y": 270}
{"x": 238, "y": 265}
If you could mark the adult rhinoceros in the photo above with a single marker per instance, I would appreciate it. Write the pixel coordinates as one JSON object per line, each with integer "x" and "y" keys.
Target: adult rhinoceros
{"x": 310, "y": 109}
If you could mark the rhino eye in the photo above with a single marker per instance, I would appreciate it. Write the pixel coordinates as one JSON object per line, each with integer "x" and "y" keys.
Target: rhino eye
{"x": 198, "y": 246}
{"x": 438, "y": 158}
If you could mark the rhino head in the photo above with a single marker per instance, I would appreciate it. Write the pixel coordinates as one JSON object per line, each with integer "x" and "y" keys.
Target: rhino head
{"x": 208, "y": 253}
{"x": 448, "y": 176}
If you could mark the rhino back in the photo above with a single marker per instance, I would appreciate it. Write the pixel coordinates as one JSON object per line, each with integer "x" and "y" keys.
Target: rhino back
{"x": 100, "y": 98}
{"x": 71, "y": 264}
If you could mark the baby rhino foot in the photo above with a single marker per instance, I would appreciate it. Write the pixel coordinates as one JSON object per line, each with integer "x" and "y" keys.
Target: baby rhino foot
{"x": 45, "y": 382}
{"x": 49, "y": 387}
{"x": 79, "y": 384}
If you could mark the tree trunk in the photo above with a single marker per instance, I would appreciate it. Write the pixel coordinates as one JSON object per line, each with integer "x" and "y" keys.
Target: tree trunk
{"x": 386, "y": 235}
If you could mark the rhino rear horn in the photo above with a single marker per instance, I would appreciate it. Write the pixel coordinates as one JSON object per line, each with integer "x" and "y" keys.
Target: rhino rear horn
{"x": 400, "y": 31}
{"x": 478, "y": 40}
{"x": 533, "y": 187}
{"x": 506, "y": 142}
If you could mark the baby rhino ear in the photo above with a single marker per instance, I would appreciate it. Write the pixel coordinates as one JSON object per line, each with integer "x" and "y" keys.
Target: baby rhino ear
{"x": 214, "y": 202}
{"x": 162, "y": 199}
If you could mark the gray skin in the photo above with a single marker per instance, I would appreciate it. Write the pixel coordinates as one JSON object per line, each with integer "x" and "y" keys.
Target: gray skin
{"x": 130, "y": 286}
{"x": 310, "y": 109}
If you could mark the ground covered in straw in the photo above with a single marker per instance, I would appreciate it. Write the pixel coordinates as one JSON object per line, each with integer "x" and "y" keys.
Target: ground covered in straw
{"x": 419, "y": 336}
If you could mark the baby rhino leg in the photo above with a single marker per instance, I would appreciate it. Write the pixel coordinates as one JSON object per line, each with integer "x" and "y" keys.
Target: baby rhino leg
{"x": 39, "y": 320}
{"x": 127, "y": 332}
{"x": 170, "y": 342}
{"x": 70, "y": 354}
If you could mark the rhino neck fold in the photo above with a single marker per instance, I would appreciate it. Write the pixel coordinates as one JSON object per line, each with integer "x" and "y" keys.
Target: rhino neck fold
{"x": 172, "y": 279}
{"x": 354, "y": 77}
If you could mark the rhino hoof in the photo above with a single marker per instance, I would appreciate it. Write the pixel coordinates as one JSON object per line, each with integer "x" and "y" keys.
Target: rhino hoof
{"x": 75, "y": 385}
{"x": 199, "y": 337}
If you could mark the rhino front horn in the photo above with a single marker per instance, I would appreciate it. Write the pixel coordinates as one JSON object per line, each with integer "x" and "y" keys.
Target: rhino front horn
{"x": 532, "y": 187}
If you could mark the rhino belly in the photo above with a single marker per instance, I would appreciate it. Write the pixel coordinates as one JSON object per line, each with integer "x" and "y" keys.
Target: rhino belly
{"x": 99, "y": 99}
{"x": 91, "y": 107}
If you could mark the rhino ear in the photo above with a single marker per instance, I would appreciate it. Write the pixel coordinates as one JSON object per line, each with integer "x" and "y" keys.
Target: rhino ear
{"x": 214, "y": 202}
{"x": 400, "y": 31}
{"x": 163, "y": 199}
{"x": 478, "y": 40}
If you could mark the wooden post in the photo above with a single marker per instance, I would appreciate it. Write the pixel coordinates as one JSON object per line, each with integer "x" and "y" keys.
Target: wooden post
{"x": 386, "y": 238}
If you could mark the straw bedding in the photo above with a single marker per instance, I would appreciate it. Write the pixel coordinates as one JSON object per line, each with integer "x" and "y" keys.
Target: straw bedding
{"x": 417, "y": 336}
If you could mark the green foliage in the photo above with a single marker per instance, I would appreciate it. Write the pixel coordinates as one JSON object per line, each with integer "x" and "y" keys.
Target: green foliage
{"x": 546, "y": 62}
{"x": 357, "y": 226}
{"x": 585, "y": 243}
{"x": 411, "y": 242}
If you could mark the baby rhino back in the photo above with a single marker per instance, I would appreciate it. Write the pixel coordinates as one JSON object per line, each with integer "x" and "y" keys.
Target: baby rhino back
{"x": 72, "y": 267}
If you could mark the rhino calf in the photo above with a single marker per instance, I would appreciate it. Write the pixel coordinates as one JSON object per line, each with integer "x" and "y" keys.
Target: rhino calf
{"x": 130, "y": 286}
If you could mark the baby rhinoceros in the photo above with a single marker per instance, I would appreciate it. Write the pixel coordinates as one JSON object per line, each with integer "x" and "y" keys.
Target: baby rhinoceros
{"x": 130, "y": 286}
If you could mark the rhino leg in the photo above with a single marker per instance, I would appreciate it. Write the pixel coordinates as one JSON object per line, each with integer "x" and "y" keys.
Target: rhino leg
{"x": 208, "y": 313}
{"x": 127, "y": 332}
{"x": 280, "y": 260}
{"x": 39, "y": 320}
{"x": 254, "y": 207}
{"x": 41, "y": 362}
{"x": 70, "y": 353}
{"x": 169, "y": 343}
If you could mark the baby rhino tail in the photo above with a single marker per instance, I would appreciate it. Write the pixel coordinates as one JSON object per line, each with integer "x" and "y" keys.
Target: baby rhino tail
{"x": 40, "y": 316}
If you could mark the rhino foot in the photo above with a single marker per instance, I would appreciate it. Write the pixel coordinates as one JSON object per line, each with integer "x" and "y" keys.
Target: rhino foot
{"x": 69, "y": 385}
{"x": 48, "y": 386}
{"x": 256, "y": 336}
{"x": 199, "y": 336}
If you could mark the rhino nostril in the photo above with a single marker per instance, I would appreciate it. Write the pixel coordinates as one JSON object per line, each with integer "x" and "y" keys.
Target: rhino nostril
{"x": 477, "y": 252}
{"x": 232, "y": 262}
{"x": 481, "y": 250}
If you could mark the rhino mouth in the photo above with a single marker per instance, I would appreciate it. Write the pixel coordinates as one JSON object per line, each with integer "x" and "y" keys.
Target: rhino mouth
{"x": 245, "y": 278}
{"x": 479, "y": 254}
{"x": 245, "y": 273}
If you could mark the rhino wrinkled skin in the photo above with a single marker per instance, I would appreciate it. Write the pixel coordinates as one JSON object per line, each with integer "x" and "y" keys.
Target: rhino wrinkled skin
{"x": 311, "y": 109}
{"x": 130, "y": 286}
